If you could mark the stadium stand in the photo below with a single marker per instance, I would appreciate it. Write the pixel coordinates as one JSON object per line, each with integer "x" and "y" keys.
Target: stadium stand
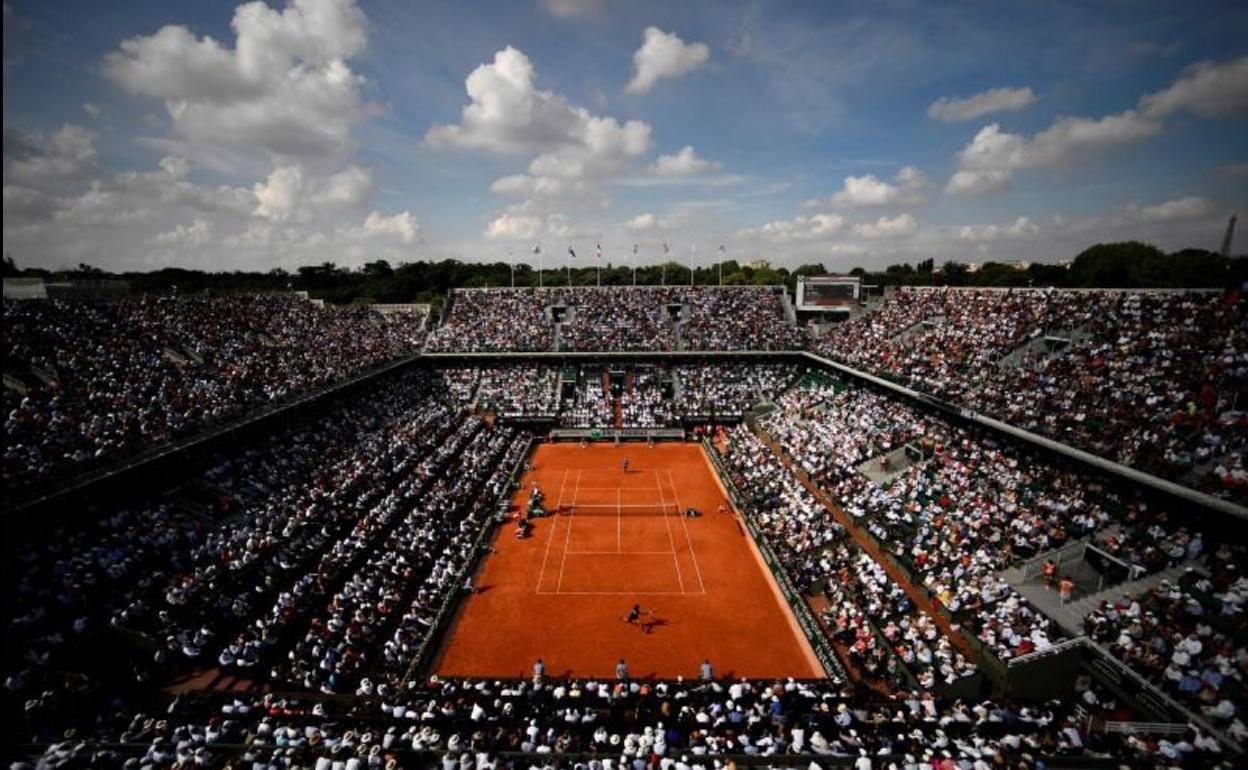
{"x": 87, "y": 383}
{"x": 494, "y": 724}
{"x": 724, "y": 391}
{"x": 623, "y": 318}
{"x": 1154, "y": 380}
{"x": 278, "y": 604}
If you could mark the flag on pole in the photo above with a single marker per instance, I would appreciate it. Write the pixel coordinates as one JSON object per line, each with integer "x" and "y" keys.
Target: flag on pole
{"x": 537, "y": 249}
{"x": 571, "y": 253}
{"x": 666, "y": 251}
{"x": 634, "y": 249}
{"x": 598, "y": 252}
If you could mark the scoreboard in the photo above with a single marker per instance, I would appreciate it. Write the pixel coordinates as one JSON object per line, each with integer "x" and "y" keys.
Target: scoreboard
{"x": 827, "y": 292}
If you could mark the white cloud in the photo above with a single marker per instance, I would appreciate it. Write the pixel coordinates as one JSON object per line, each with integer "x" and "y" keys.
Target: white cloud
{"x": 1205, "y": 89}
{"x": 524, "y": 227}
{"x": 278, "y": 198}
{"x": 290, "y": 195}
{"x": 403, "y": 225}
{"x": 573, "y": 152}
{"x": 900, "y": 226}
{"x": 1018, "y": 228}
{"x": 195, "y": 234}
{"x": 797, "y": 229}
{"x": 684, "y": 163}
{"x": 861, "y": 191}
{"x": 351, "y": 187}
{"x": 507, "y": 114}
{"x": 91, "y": 109}
{"x": 992, "y": 157}
{"x": 576, "y": 151}
{"x": 284, "y": 90}
{"x": 664, "y": 55}
{"x": 1190, "y": 207}
{"x": 641, "y": 222}
{"x": 995, "y": 100}
{"x": 67, "y": 156}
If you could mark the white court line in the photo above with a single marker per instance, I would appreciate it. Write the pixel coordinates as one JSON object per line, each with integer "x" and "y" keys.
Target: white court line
{"x": 685, "y": 524}
{"x": 668, "y": 526}
{"x": 619, "y": 523}
{"x": 621, "y": 553}
{"x": 612, "y": 506}
{"x": 553, "y": 519}
{"x": 613, "y": 593}
{"x": 568, "y": 540}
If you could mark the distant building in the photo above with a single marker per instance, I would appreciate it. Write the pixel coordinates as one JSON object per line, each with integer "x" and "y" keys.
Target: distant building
{"x": 759, "y": 264}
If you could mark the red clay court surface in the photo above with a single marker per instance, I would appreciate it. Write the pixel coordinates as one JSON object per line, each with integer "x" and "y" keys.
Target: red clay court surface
{"x": 618, "y": 539}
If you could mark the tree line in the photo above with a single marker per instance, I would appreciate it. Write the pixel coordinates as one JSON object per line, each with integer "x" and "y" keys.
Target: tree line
{"x": 1108, "y": 265}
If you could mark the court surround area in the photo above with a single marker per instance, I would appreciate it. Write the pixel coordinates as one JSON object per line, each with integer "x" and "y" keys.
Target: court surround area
{"x": 615, "y": 538}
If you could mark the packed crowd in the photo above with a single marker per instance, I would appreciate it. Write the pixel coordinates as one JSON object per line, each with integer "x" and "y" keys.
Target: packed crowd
{"x": 728, "y": 390}
{"x": 604, "y": 725}
{"x": 492, "y": 320}
{"x": 316, "y": 558}
{"x": 958, "y": 506}
{"x": 589, "y": 404}
{"x": 697, "y": 391}
{"x": 644, "y": 402}
{"x": 509, "y": 390}
{"x": 1189, "y": 636}
{"x": 616, "y": 318}
{"x": 321, "y": 558}
{"x": 879, "y": 632}
{"x": 737, "y": 318}
{"x": 1155, "y": 380}
{"x": 87, "y": 382}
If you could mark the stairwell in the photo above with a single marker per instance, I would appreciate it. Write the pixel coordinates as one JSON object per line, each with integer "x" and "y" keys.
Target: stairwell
{"x": 1070, "y": 616}
{"x": 617, "y": 410}
{"x": 790, "y": 313}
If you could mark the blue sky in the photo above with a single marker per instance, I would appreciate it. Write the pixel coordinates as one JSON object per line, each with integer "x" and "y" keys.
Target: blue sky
{"x": 147, "y": 134}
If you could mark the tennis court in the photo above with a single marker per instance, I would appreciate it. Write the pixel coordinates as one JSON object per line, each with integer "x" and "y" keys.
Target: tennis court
{"x": 616, "y": 538}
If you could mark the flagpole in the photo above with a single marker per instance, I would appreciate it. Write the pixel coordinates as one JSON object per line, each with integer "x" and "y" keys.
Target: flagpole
{"x": 634, "y": 264}
{"x": 721, "y": 264}
{"x": 693, "y": 251}
{"x": 512, "y": 260}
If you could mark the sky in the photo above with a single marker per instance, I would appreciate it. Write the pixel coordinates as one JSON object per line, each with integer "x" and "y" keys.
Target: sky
{"x": 157, "y": 133}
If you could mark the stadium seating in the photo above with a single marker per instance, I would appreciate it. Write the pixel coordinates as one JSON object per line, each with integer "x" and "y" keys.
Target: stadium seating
{"x": 1149, "y": 379}
{"x": 93, "y": 382}
{"x": 968, "y": 510}
{"x": 617, "y": 318}
{"x": 678, "y": 725}
{"x": 295, "y": 584}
